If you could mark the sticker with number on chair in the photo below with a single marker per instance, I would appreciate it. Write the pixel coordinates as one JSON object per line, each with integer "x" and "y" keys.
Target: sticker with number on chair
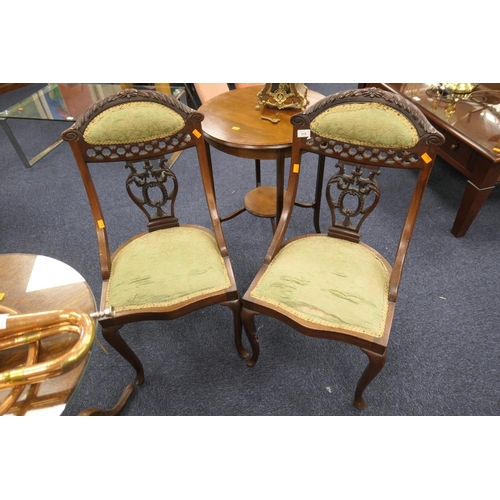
{"x": 304, "y": 133}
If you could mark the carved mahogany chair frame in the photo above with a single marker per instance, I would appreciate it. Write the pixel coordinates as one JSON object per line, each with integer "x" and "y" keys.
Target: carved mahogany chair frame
{"x": 143, "y": 186}
{"x": 347, "y": 221}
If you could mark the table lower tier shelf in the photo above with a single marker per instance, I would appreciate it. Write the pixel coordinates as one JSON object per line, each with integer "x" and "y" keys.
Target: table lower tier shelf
{"x": 261, "y": 201}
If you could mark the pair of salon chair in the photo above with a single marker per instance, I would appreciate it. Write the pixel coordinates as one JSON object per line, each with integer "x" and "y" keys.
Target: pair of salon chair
{"x": 330, "y": 285}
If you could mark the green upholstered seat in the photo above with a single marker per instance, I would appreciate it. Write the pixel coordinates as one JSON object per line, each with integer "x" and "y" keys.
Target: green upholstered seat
{"x": 330, "y": 282}
{"x": 164, "y": 268}
{"x": 133, "y": 122}
{"x": 366, "y": 124}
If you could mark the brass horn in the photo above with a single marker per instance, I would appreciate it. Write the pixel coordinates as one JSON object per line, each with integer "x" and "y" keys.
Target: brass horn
{"x": 29, "y": 330}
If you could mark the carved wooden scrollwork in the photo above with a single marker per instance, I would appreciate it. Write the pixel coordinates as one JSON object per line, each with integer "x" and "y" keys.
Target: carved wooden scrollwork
{"x": 154, "y": 190}
{"x": 376, "y": 156}
{"x": 139, "y": 149}
{"x": 353, "y": 196}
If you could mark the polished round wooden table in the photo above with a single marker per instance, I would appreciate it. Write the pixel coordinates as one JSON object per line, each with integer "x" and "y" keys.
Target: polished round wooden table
{"x": 31, "y": 284}
{"x": 234, "y": 125}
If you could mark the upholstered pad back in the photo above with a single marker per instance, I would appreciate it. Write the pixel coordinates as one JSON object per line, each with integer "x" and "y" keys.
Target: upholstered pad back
{"x": 166, "y": 267}
{"x": 366, "y": 124}
{"x": 330, "y": 282}
{"x": 133, "y": 122}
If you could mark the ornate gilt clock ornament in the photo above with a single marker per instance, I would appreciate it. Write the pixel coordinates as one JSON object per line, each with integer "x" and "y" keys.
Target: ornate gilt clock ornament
{"x": 283, "y": 95}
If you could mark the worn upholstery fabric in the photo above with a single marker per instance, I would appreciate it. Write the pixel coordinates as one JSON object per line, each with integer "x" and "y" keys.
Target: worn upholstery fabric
{"x": 366, "y": 124}
{"x": 330, "y": 282}
{"x": 133, "y": 122}
{"x": 166, "y": 267}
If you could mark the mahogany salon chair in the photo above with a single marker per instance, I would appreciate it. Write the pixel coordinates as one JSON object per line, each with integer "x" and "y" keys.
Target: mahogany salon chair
{"x": 333, "y": 286}
{"x": 170, "y": 269}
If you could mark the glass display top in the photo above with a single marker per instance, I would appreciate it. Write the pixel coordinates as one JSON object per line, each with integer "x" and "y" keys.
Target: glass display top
{"x": 67, "y": 101}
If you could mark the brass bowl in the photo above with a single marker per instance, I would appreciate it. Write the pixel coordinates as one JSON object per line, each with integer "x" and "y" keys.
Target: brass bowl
{"x": 460, "y": 88}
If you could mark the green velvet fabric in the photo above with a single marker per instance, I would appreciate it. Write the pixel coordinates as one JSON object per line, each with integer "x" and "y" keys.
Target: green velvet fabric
{"x": 166, "y": 267}
{"x": 133, "y": 122}
{"x": 330, "y": 282}
{"x": 366, "y": 124}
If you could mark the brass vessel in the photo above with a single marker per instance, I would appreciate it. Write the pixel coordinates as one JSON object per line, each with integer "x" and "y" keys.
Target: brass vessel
{"x": 460, "y": 88}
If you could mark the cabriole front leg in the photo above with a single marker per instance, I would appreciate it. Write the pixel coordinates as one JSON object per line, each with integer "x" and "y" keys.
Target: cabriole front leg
{"x": 114, "y": 339}
{"x": 376, "y": 363}
{"x": 235, "y": 306}
{"x": 247, "y": 316}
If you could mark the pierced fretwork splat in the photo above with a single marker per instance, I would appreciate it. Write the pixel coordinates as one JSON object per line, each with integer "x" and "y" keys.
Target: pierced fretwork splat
{"x": 154, "y": 190}
{"x": 354, "y": 199}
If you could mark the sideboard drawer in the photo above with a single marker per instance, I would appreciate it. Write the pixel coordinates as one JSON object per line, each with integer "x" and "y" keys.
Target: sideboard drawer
{"x": 455, "y": 151}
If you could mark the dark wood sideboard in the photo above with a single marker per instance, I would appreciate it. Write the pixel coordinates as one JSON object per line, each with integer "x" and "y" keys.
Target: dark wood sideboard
{"x": 471, "y": 127}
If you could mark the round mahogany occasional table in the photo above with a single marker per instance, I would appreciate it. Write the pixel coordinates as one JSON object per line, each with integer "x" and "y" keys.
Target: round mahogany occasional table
{"x": 233, "y": 125}
{"x": 31, "y": 284}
